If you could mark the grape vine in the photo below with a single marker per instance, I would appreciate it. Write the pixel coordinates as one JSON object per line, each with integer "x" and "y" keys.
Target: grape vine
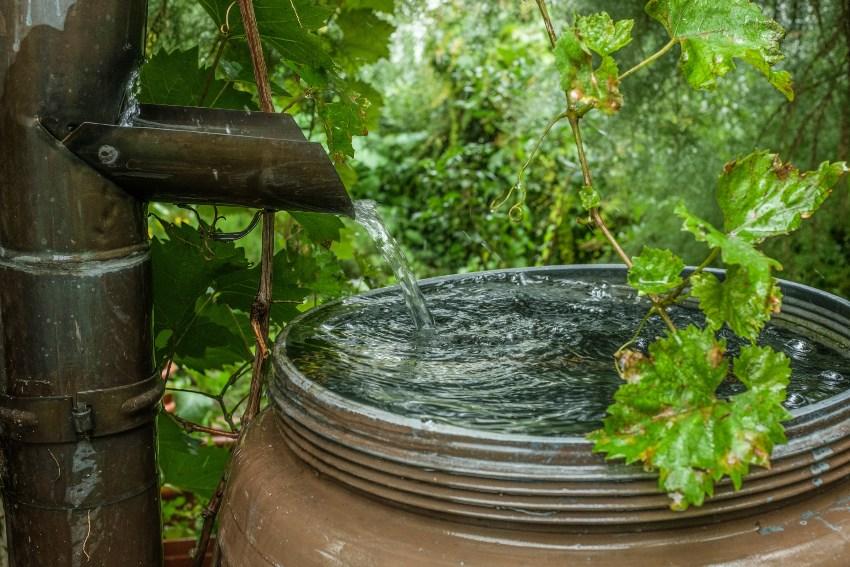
{"x": 666, "y": 414}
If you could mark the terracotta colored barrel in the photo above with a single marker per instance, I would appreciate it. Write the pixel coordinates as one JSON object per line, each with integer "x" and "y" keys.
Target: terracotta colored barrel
{"x": 322, "y": 480}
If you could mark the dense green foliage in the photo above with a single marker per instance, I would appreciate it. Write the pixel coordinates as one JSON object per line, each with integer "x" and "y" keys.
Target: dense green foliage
{"x": 204, "y": 288}
{"x": 455, "y": 100}
{"x": 466, "y": 101}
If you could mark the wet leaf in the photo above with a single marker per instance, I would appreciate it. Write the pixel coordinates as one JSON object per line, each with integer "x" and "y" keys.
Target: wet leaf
{"x": 602, "y": 35}
{"x": 762, "y": 197}
{"x": 585, "y": 83}
{"x": 343, "y": 120}
{"x": 741, "y": 301}
{"x": 656, "y": 271}
{"x": 321, "y": 228}
{"x": 713, "y": 33}
{"x": 668, "y": 417}
{"x": 185, "y": 267}
{"x": 734, "y": 249}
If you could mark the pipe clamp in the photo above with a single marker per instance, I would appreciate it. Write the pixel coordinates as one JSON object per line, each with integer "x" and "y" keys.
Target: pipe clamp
{"x": 92, "y": 413}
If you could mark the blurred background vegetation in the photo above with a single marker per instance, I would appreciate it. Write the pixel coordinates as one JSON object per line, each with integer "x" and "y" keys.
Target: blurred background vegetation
{"x": 470, "y": 85}
{"x": 453, "y": 95}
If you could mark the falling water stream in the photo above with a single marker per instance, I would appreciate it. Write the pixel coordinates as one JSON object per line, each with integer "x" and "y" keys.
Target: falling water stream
{"x": 131, "y": 107}
{"x": 367, "y": 215}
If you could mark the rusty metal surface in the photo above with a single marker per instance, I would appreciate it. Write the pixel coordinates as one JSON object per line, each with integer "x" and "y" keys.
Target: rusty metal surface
{"x": 550, "y": 482}
{"x": 279, "y": 511}
{"x": 182, "y": 166}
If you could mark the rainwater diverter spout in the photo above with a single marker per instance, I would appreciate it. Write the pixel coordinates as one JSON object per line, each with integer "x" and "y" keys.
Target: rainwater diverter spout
{"x": 78, "y": 386}
{"x": 206, "y": 156}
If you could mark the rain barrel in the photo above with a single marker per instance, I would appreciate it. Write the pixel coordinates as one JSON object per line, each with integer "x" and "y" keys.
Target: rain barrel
{"x": 323, "y": 479}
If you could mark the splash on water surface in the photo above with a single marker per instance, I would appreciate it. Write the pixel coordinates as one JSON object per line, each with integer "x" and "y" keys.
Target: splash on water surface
{"x": 512, "y": 353}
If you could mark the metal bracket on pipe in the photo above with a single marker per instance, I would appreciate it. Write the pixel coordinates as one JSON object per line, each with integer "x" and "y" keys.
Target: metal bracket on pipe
{"x": 93, "y": 413}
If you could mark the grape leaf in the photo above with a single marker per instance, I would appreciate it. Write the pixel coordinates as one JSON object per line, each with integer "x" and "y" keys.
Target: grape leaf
{"x": 174, "y": 78}
{"x": 739, "y": 301}
{"x": 343, "y": 120}
{"x": 713, "y": 33}
{"x": 602, "y": 35}
{"x": 320, "y": 228}
{"x": 762, "y": 197}
{"x": 386, "y": 6}
{"x": 656, "y": 271}
{"x": 667, "y": 414}
{"x": 754, "y": 425}
{"x": 186, "y": 266}
{"x": 584, "y": 83}
{"x": 217, "y": 336}
{"x": 734, "y": 250}
{"x": 365, "y": 36}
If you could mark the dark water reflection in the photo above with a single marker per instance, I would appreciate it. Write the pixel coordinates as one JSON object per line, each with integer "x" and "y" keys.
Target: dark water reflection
{"x": 518, "y": 354}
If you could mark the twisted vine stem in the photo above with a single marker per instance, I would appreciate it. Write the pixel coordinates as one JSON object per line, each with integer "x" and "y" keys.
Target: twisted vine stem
{"x": 574, "y": 115}
{"x": 261, "y": 308}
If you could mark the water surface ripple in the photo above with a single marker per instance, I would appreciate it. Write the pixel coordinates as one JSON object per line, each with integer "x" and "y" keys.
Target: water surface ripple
{"x": 513, "y": 353}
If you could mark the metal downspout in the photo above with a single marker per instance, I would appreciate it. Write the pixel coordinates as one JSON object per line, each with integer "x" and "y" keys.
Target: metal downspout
{"x": 77, "y": 382}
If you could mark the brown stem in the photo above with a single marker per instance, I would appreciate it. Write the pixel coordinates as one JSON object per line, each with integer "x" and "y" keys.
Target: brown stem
{"x": 551, "y": 34}
{"x": 261, "y": 308}
{"x": 261, "y": 74}
{"x": 588, "y": 182}
{"x": 547, "y": 21}
{"x": 260, "y": 314}
{"x": 595, "y": 214}
{"x": 600, "y": 224}
{"x": 192, "y": 427}
{"x": 209, "y": 513}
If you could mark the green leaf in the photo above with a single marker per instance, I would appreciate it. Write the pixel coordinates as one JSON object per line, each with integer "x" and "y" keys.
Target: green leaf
{"x": 764, "y": 371}
{"x": 174, "y": 78}
{"x": 602, "y": 35}
{"x": 656, "y": 271}
{"x": 185, "y": 462}
{"x": 385, "y": 6}
{"x": 734, "y": 249}
{"x": 753, "y": 426}
{"x": 343, "y": 120}
{"x": 365, "y": 36}
{"x": 185, "y": 267}
{"x": 667, "y": 414}
{"x": 584, "y": 83}
{"x": 217, "y": 336}
{"x": 762, "y": 197}
{"x": 320, "y": 228}
{"x": 713, "y": 33}
{"x": 741, "y": 301}
{"x": 590, "y": 198}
